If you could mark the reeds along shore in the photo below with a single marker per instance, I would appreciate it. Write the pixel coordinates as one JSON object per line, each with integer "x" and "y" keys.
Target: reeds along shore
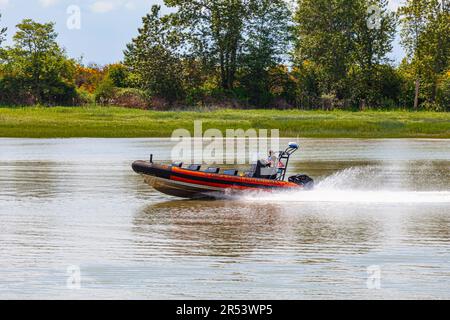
{"x": 116, "y": 122}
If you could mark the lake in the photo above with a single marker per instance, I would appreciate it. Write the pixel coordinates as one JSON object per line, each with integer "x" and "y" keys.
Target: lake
{"x": 77, "y": 222}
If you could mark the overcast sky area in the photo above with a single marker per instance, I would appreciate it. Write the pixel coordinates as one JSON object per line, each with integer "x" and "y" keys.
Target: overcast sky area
{"x": 106, "y": 25}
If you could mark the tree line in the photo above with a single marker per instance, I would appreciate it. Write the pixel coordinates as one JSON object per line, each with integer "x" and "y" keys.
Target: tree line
{"x": 322, "y": 54}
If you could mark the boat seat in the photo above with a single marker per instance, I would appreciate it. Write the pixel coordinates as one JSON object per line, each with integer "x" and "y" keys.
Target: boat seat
{"x": 252, "y": 171}
{"x": 264, "y": 171}
{"x": 194, "y": 167}
{"x": 212, "y": 170}
{"x": 177, "y": 164}
{"x": 232, "y": 172}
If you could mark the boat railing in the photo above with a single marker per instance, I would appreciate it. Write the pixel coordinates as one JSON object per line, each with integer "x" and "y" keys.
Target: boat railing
{"x": 283, "y": 158}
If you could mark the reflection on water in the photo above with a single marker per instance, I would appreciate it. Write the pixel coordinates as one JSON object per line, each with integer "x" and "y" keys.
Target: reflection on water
{"x": 208, "y": 228}
{"x": 76, "y": 202}
{"x": 241, "y": 228}
{"x": 35, "y": 179}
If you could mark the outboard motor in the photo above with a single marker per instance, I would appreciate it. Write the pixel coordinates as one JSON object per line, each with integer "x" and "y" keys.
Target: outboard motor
{"x": 303, "y": 180}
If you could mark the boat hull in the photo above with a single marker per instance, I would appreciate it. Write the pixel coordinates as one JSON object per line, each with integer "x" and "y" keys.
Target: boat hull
{"x": 184, "y": 183}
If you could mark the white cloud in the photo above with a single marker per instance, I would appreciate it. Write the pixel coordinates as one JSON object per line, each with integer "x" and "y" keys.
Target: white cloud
{"x": 103, "y": 6}
{"x": 48, "y": 3}
{"x": 4, "y": 3}
{"x": 130, "y": 5}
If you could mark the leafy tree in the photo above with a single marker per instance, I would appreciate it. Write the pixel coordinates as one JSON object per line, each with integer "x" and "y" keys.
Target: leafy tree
{"x": 213, "y": 30}
{"x": 105, "y": 91}
{"x": 118, "y": 74}
{"x": 282, "y": 86}
{"x": 325, "y": 33}
{"x": 88, "y": 78}
{"x": 267, "y": 35}
{"x": 2, "y": 38}
{"x": 308, "y": 91}
{"x": 425, "y": 36}
{"x": 436, "y": 46}
{"x": 373, "y": 39}
{"x": 2, "y": 32}
{"x": 443, "y": 91}
{"x": 38, "y": 66}
{"x": 415, "y": 16}
{"x": 336, "y": 36}
{"x": 153, "y": 60}
{"x": 374, "y": 33}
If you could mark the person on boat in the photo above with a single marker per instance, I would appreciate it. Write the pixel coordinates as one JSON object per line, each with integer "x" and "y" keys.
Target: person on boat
{"x": 273, "y": 160}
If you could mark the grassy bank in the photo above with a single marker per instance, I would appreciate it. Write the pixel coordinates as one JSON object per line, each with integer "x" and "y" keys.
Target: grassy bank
{"x": 64, "y": 122}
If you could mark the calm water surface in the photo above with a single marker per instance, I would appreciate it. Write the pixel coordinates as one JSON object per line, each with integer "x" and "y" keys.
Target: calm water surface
{"x": 383, "y": 203}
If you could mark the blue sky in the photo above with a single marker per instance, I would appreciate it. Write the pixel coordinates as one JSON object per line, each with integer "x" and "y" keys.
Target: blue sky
{"x": 106, "y": 25}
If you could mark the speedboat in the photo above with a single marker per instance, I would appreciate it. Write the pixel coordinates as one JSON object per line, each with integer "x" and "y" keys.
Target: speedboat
{"x": 192, "y": 182}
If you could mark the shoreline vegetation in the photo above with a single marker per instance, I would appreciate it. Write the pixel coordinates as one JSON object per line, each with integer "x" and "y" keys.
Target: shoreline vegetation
{"x": 247, "y": 54}
{"x": 119, "y": 122}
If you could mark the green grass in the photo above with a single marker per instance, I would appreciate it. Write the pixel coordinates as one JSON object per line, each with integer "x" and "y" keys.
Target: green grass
{"x": 93, "y": 121}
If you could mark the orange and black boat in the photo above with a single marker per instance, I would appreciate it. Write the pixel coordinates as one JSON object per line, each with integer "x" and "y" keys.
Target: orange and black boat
{"x": 191, "y": 182}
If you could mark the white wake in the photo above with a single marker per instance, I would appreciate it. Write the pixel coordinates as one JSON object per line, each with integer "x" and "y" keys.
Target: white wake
{"x": 356, "y": 185}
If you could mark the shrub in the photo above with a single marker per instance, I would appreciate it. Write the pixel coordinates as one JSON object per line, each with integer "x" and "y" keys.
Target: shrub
{"x": 59, "y": 93}
{"x": 443, "y": 92}
{"x": 159, "y": 103}
{"x": 307, "y": 85}
{"x": 17, "y": 90}
{"x": 118, "y": 74}
{"x": 84, "y": 96}
{"x": 13, "y": 90}
{"x": 105, "y": 91}
{"x": 88, "y": 78}
{"x": 328, "y": 101}
{"x": 130, "y": 98}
